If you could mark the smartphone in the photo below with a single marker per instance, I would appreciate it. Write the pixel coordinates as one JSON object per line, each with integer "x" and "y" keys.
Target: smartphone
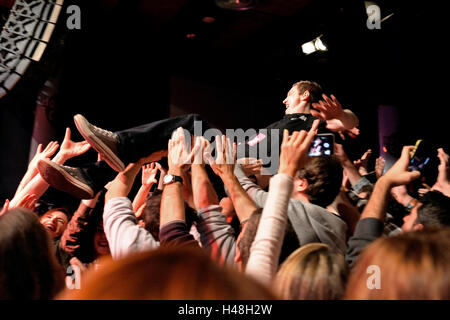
{"x": 322, "y": 145}
{"x": 420, "y": 156}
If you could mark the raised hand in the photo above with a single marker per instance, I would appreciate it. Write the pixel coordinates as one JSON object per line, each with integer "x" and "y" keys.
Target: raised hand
{"x": 26, "y": 201}
{"x": 379, "y": 166}
{"x": 149, "y": 172}
{"x": 250, "y": 166}
{"x": 398, "y": 174}
{"x": 294, "y": 149}
{"x": 442, "y": 182}
{"x": 422, "y": 191}
{"x": 179, "y": 156}
{"x": 327, "y": 109}
{"x": 226, "y": 156}
{"x": 49, "y": 150}
{"x": 361, "y": 164}
{"x": 70, "y": 149}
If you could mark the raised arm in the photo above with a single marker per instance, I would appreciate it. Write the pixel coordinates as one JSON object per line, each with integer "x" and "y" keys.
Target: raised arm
{"x": 149, "y": 172}
{"x": 370, "y": 225}
{"x": 173, "y": 228}
{"x": 443, "y": 180}
{"x": 337, "y": 118}
{"x": 202, "y": 189}
{"x": 32, "y": 170}
{"x": 266, "y": 248}
{"x": 68, "y": 149}
{"x": 351, "y": 171}
{"x": 216, "y": 235}
{"x": 223, "y": 166}
{"x": 397, "y": 175}
{"x": 119, "y": 221}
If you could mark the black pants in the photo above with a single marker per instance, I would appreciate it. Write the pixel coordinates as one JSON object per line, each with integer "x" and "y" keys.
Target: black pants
{"x": 138, "y": 142}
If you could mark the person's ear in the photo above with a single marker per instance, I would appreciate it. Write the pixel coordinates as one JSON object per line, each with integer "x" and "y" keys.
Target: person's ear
{"x": 300, "y": 185}
{"x": 417, "y": 227}
{"x": 305, "y": 95}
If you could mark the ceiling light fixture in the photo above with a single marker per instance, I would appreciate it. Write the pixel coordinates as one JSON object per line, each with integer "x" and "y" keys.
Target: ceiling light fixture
{"x": 237, "y": 5}
{"x": 314, "y": 45}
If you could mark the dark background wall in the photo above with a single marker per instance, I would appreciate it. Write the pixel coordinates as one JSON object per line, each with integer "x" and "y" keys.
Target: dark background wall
{"x": 132, "y": 63}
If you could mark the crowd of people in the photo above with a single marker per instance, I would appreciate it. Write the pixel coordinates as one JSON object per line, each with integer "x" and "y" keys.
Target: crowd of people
{"x": 210, "y": 223}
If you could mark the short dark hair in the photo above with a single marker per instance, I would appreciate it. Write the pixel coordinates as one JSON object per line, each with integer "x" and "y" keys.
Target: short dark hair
{"x": 151, "y": 214}
{"x": 324, "y": 176}
{"x": 435, "y": 210}
{"x": 314, "y": 89}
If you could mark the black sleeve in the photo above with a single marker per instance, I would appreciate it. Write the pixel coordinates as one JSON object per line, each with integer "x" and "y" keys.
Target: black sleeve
{"x": 176, "y": 233}
{"x": 366, "y": 231}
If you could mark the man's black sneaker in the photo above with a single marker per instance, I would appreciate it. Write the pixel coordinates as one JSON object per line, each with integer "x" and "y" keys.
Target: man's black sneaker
{"x": 68, "y": 179}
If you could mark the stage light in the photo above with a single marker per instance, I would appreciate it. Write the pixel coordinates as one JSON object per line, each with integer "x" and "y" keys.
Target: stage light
{"x": 314, "y": 45}
{"x": 308, "y": 47}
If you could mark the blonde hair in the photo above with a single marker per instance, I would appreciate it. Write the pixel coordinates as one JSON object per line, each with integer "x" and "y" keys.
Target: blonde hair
{"x": 312, "y": 272}
{"x": 412, "y": 265}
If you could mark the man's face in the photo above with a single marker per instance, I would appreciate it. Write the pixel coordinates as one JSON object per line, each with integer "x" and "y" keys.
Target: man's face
{"x": 54, "y": 222}
{"x": 410, "y": 219}
{"x": 292, "y": 101}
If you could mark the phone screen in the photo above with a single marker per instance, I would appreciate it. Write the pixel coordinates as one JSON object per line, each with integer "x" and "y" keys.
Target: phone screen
{"x": 420, "y": 156}
{"x": 322, "y": 145}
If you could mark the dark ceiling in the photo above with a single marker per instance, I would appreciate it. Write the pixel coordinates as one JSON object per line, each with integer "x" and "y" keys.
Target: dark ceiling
{"x": 133, "y": 58}
{"x": 127, "y": 51}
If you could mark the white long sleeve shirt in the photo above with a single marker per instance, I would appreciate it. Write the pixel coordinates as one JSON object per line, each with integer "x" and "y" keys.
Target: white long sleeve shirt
{"x": 122, "y": 231}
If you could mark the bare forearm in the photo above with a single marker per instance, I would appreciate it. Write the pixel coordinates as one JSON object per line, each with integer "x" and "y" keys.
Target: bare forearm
{"x": 202, "y": 189}
{"x": 36, "y": 186}
{"x": 377, "y": 205}
{"x": 243, "y": 204}
{"x": 29, "y": 175}
{"x": 172, "y": 204}
{"x": 122, "y": 184}
{"x": 352, "y": 173}
{"x": 141, "y": 196}
{"x": 60, "y": 158}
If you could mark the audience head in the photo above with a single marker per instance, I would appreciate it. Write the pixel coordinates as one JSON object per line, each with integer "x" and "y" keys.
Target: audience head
{"x": 320, "y": 180}
{"x": 432, "y": 210}
{"x": 150, "y": 215}
{"x": 28, "y": 265}
{"x": 167, "y": 273}
{"x": 101, "y": 245}
{"x": 412, "y": 265}
{"x": 312, "y": 272}
{"x": 55, "y": 221}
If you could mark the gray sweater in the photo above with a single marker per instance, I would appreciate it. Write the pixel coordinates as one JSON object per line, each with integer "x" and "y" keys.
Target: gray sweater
{"x": 311, "y": 223}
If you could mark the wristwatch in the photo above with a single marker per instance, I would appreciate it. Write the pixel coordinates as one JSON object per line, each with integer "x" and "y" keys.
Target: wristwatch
{"x": 170, "y": 178}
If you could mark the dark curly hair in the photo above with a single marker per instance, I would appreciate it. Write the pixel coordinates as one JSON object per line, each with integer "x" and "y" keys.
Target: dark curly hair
{"x": 324, "y": 176}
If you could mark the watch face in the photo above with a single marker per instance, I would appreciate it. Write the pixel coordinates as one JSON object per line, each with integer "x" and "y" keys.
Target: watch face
{"x": 168, "y": 178}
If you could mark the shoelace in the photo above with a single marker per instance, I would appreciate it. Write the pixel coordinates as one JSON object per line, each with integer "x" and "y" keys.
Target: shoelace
{"x": 104, "y": 132}
{"x": 69, "y": 170}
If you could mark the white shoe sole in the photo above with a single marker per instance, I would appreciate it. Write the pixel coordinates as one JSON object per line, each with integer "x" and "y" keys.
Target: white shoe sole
{"x": 83, "y": 127}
